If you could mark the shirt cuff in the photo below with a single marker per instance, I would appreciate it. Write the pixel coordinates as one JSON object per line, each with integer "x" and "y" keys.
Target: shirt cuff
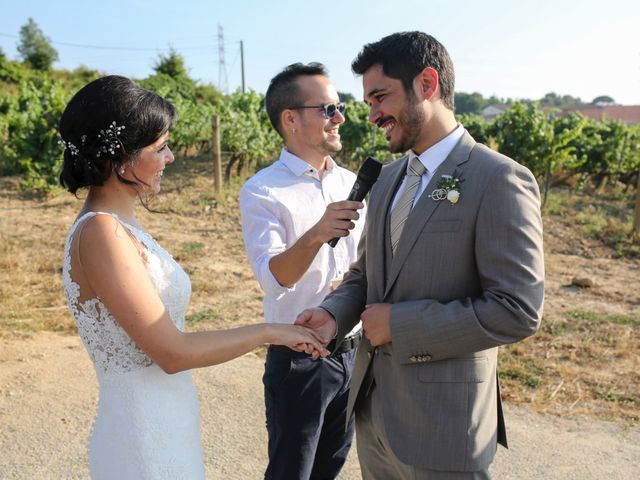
{"x": 270, "y": 284}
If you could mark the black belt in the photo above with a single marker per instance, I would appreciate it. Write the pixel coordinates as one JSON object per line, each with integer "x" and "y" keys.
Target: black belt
{"x": 348, "y": 344}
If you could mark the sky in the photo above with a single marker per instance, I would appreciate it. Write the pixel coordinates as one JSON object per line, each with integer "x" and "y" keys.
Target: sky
{"x": 506, "y": 48}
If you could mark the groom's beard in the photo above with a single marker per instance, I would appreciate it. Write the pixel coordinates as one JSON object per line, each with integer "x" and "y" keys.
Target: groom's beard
{"x": 411, "y": 122}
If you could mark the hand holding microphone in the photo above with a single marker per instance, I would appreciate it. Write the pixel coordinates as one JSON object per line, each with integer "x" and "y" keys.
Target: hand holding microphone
{"x": 367, "y": 176}
{"x": 338, "y": 219}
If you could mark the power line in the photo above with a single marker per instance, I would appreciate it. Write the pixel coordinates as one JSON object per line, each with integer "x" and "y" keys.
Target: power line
{"x": 136, "y": 49}
{"x": 223, "y": 81}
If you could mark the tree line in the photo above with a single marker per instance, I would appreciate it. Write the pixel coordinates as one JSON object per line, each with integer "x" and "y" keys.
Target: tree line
{"x": 553, "y": 145}
{"x": 476, "y": 103}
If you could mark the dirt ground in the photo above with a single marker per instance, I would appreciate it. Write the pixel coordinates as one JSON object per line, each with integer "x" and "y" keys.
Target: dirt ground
{"x": 48, "y": 389}
{"x": 48, "y": 395}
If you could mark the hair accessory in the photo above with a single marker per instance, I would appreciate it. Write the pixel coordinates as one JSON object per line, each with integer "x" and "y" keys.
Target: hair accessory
{"x": 109, "y": 139}
{"x": 73, "y": 150}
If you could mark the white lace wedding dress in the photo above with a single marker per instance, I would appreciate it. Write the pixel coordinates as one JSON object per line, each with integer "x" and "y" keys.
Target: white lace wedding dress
{"x": 148, "y": 422}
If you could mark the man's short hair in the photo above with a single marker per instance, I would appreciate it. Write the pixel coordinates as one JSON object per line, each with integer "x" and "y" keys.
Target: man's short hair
{"x": 284, "y": 91}
{"x": 405, "y": 54}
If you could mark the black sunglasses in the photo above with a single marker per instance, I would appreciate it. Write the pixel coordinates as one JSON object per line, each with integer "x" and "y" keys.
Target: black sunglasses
{"x": 328, "y": 109}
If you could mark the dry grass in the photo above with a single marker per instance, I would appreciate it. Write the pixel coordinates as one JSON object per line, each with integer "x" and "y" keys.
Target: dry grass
{"x": 580, "y": 363}
{"x": 202, "y": 233}
{"x": 583, "y": 361}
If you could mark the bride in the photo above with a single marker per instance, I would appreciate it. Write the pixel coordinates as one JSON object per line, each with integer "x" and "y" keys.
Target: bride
{"x": 129, "y": 297}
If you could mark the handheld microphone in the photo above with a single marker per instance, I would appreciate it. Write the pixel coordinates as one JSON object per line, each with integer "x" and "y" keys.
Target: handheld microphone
{"x": 367, "y": 176}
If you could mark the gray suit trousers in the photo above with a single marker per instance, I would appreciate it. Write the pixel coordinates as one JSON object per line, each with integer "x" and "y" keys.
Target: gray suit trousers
{"x": 377, "y": 460}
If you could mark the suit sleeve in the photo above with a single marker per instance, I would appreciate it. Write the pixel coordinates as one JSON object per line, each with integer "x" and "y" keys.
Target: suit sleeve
{"x": 510, "y": 268}
{"x": 347, "y": 302}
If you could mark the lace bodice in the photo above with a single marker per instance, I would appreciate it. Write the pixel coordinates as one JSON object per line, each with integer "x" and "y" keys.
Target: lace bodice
{"x": 109, "y": 346}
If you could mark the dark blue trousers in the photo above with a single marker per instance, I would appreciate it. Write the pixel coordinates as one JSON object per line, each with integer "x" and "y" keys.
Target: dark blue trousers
{"x": 306, "y": 403}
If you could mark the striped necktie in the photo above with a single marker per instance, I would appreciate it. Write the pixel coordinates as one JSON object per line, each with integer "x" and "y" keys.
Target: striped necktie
{"x": 415, "y": 170}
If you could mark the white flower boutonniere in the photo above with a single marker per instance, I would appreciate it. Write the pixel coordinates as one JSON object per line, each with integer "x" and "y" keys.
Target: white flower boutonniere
{"x": 449, "y": 187}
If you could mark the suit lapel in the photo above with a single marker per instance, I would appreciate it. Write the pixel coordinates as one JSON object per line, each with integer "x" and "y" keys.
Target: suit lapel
{"x": 425, "y": 207}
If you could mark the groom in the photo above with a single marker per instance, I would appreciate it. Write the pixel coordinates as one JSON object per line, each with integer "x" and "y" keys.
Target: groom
{"x": 451, "y": 268}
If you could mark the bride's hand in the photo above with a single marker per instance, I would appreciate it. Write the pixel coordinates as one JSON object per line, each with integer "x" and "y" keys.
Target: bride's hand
{"x": 297, "y": 338}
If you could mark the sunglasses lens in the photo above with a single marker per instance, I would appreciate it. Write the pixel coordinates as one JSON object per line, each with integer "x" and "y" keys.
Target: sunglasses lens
{"x": 332, "y": 108}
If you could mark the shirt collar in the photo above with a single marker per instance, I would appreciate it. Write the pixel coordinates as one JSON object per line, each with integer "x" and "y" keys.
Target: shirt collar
{"x": 433, "y": 156}
{"x": 299, "y": 167}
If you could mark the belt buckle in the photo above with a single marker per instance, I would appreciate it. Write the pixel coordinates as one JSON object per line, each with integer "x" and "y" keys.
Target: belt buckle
{"x": 348, "y": 343}
{"x": 354, "y": 340}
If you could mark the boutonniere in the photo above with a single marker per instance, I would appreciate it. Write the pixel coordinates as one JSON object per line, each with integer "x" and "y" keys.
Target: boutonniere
{"x": 449, "y": 187}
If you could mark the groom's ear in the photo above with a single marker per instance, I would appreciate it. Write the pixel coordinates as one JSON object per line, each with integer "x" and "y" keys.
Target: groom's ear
{"x": 426, "y": 83}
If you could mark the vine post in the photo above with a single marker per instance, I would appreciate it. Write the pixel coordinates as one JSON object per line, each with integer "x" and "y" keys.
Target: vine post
{"x": 217, "y": 155}
{"x": 635, "y": 231}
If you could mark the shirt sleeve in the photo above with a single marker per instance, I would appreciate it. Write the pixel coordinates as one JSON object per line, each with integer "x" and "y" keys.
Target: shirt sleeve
{"x": 264, "y": 235}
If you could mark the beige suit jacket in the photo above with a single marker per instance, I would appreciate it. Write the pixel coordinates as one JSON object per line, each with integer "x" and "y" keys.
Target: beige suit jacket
{"x": 466, "y": 278}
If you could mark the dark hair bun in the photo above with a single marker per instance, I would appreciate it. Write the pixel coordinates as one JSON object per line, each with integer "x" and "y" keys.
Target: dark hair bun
{"x": 105, "y": 124}
{"x": 80, "y": 171}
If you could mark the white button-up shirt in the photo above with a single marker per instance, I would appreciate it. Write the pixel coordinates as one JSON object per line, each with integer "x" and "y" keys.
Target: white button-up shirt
{"x": 278, "y": 205}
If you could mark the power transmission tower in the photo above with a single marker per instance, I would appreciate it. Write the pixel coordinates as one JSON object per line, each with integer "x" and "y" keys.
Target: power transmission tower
{"x": 242, "y": 62}
{"x": 223, "y": 80}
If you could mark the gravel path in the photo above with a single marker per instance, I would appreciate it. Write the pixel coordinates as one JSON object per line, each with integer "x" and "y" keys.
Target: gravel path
{"x": 48, "y": 397}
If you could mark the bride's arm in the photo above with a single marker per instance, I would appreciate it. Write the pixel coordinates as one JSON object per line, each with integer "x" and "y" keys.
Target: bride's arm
{"x": 117, "y": 275}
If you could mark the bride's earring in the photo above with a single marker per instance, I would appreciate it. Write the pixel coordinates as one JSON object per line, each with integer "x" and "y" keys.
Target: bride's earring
{"x": 121, "y": 170}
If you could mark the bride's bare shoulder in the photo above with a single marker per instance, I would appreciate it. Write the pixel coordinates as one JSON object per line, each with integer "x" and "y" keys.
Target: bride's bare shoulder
{"x": 103, "y": 235}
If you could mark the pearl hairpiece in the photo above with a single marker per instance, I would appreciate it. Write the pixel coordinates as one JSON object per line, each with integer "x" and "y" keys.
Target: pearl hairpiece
{"x": 109, "y": 138}
{"x": 73, "y": 150}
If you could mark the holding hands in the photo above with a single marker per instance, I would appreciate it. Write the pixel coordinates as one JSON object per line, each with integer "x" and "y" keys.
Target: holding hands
{"x": 298, "y": 338}
{"x": 320, "y": 321}
{"x": 376, "y": 323}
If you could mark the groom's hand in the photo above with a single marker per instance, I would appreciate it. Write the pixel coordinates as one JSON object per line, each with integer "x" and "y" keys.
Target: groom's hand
{"x": 320, "y": 321}
{"x": 376, "y": 323}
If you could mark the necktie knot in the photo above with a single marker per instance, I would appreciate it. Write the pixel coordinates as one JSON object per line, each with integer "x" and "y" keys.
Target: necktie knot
{"x": 415, "y": 167}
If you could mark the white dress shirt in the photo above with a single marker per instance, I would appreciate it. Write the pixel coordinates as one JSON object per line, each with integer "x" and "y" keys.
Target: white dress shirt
{"x": 431, "y": 158}
{"x": 278, "y": 205}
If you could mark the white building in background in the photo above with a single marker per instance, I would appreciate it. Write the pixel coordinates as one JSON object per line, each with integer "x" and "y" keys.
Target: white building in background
{"x": 492, "y": 111}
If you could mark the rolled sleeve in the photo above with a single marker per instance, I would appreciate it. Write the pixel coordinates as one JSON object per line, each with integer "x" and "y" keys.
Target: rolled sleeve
{"x": 267, "y": 281}
{"x": 264, "y": 236}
